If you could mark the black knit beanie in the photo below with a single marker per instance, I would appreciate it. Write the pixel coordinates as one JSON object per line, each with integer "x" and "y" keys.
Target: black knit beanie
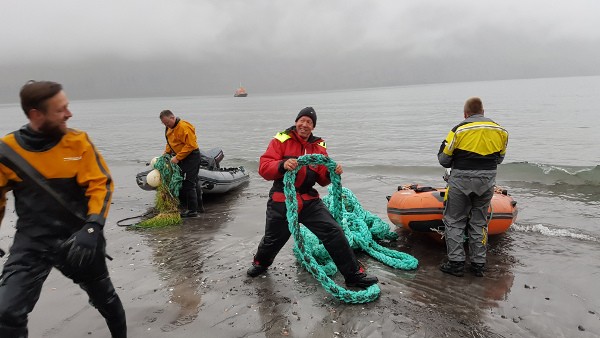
{"x": 310, "y": 112}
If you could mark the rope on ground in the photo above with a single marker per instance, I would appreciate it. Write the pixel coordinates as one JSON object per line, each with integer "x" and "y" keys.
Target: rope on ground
{"x": 359, "y": 226}
{"x": 362, "y": 229}
{"x": 120, "y": 222}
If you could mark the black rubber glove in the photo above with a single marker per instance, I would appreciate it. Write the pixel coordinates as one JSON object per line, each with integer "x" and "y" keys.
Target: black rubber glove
{"x": 82, "y": 245}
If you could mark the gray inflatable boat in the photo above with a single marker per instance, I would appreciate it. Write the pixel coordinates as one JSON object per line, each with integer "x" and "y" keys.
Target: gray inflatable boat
{"x": 212, "y": 178}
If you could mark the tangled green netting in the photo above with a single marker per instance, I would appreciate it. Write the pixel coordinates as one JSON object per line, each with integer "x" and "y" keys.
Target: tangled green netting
{"x": 360, "y": 226}
{"x": 167, "y": 193}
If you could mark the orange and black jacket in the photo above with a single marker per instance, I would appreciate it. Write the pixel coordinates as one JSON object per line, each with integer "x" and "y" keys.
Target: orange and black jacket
{"x": 181, "y": 139}
{"x": 286, "y": 145}
{"x": 72, "y": 167}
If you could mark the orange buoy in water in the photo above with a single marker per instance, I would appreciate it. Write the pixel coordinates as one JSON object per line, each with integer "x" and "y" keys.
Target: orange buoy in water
{"x": 420, "y": 209}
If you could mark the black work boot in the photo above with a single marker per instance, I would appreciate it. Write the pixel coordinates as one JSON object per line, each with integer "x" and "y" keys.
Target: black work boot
{"x": 361, "y": 280}
{"x": 477, "y": 269}
{"x": 455, "y": 268}
{"x": 189, "y": 214}
{"x": 256, "y": 270}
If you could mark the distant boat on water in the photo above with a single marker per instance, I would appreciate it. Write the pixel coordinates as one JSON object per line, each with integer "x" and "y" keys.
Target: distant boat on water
{"x": 240, "y": 92}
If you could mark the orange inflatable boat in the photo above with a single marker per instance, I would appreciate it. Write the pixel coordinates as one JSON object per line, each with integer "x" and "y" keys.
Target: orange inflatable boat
{"x": 417, "y": 208}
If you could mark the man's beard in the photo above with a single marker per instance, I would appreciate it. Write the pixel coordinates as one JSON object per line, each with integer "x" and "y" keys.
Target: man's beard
{"x": 54, "y": 131}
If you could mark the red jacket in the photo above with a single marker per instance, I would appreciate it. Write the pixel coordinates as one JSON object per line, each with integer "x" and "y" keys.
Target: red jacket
{"x": 288, "y": 144}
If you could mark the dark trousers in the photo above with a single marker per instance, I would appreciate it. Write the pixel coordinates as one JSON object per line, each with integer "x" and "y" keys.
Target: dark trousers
{"x": 317, "y": 218}
{"x": 190, "y": 195}
{"x": 25, "y": 272}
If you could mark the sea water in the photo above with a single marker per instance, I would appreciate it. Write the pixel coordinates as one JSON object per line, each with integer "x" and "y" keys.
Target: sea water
{"x": 386, "y": 137}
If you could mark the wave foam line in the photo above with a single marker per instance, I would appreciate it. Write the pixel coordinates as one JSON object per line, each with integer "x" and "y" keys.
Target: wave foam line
{"x": 546, "y": 231}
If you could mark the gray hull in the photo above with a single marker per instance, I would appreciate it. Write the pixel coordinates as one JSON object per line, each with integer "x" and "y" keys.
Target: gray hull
{"x": 216, "y": 181}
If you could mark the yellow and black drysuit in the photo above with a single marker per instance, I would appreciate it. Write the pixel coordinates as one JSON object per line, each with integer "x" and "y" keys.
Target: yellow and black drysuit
{"x": 473, "y": 149}
{"x": 182, "y": 143}
{"x": 77, "y": 173}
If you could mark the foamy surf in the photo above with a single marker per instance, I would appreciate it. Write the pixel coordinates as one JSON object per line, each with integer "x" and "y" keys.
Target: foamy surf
{"x": 552, "y": 232}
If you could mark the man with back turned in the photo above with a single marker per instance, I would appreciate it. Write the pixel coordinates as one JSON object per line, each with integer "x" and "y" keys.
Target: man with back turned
{"x": 62, "y": 190}
{"x": 473, "y": 149}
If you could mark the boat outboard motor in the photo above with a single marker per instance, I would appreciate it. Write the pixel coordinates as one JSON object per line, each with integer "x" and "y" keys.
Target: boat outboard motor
{"x": 211, "y": 158}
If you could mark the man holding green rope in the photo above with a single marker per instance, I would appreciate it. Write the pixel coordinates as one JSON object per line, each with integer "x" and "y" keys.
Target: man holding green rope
{"x": 183, "y": 145}
{"x": 281, "y": 156}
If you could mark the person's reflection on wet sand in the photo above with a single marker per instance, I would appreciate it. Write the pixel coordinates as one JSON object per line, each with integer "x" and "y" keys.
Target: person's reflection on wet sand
{"x": 465, "y": 300}
{"x": 284, "y": 295}
{"x": 271, "y": 308}
{"x": 180, "y": 264}
{"x": 180, "y": 253}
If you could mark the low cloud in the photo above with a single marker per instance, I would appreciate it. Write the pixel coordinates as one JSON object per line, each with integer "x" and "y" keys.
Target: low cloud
{"x": 147, "y": 48}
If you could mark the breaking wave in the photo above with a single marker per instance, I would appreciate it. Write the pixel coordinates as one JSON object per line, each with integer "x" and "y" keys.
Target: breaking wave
{"x": 550, "y": 174}
{"x": 523, "y": 172}
{"x": 553, "y": 232}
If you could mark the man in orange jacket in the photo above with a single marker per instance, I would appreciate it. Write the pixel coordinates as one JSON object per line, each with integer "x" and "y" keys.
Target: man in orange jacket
{"x": 182, "y": 144}
{"x": 281, "y": 156}
{"x": 62, "y": 190}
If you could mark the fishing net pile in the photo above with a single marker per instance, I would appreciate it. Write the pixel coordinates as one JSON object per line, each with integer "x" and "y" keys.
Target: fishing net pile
{"x": 361, "y": 227}
{"x": 166, "y": 211}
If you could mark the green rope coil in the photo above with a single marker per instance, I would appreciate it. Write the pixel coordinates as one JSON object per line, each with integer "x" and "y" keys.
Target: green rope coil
{"x": 359, "y": 226}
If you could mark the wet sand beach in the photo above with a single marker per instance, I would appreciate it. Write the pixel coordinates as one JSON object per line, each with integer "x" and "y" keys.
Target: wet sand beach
{"x": 190, "y": 281}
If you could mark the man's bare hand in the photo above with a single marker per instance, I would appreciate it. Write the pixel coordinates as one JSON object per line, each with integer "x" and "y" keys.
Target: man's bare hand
{"x": 290, "y": 164}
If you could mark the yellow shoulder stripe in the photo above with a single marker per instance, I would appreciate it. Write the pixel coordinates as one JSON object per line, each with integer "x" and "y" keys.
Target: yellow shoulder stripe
{"x": 282, "y": 137}
{"x": 476, "y": 125}
{"x": 322, "y": 144}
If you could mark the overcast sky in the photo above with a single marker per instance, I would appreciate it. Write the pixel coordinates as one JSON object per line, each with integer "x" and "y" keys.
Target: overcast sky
{"x": 133, "y": 48}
